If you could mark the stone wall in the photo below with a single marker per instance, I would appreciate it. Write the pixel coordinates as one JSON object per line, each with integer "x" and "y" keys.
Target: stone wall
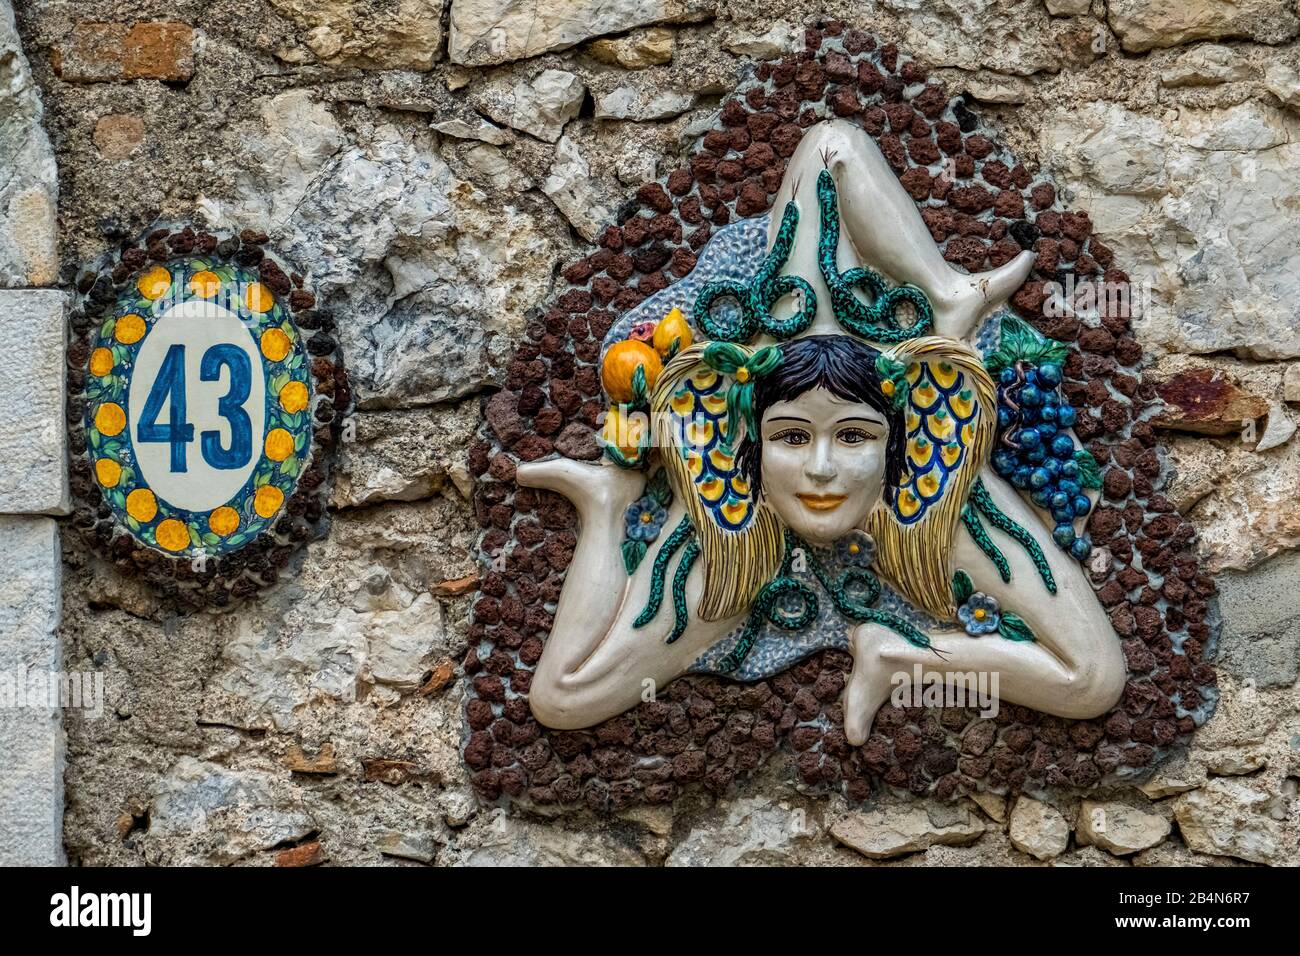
{"x": 430, "y": 167}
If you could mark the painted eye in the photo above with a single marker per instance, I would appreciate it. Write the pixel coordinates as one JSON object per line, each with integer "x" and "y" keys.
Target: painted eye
{"x": 855, "y": 436}
{"x": 791, "y": 436}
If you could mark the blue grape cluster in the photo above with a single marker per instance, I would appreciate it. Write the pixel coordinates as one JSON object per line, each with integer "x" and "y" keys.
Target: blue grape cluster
{"x": 1036, "y": 453}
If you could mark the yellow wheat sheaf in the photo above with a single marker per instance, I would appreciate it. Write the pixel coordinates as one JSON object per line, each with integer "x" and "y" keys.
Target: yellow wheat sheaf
{"x": 735, "y": 564}
{"x": 916, "y": 558}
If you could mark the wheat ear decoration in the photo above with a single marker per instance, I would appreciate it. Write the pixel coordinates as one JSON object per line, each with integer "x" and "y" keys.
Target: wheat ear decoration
{"x": 917, "y": 559}
{"x": 736, "y": 564}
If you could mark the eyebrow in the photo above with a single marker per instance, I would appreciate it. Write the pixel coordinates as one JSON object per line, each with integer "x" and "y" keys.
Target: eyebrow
{"x": 860, "y": 418}
{"x": 790, "y": 418}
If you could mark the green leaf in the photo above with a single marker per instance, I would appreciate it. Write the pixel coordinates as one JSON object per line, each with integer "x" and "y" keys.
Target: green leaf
{"x": 1021, "y": 342}
{"x": 617, "y": 457}
{"x": 1014, "y": 628}
{"x": 962, "y": 588}
{"x": 633, "y": 552}
{"x": 658, "y": 488}
{"x": 640, "y": 391}
{"x": 1089, "y": 473}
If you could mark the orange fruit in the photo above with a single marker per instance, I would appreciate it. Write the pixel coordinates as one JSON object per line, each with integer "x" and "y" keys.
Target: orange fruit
{"x": 101, "y": 362}
{"x": 275, "y": 344}
{"x": 258, "y": 298}
{"x": 267, "y": 501}
{"x": 154, "y": 283}
{"x": 624, "y": 430}
{"x": 621, "y": 362}
{"x": 172, "y": 535}
{"x": 108, "y": 472}
{"x": 110, "y": 419}
{"x": 293, "y": 397}
{"x": 224, "y": 520}
{"x": 672, "y": 326}
{"x": 142, "y": 505}
{"x": 129, "y": 329}
{"x": 204, "y": 284}
{"x": 279, "y": 444}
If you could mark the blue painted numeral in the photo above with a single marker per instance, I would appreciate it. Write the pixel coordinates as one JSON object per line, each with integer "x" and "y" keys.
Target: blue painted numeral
{"x": 170, "y": 384}
{"x": 230, "y": 407}
{"x": 177, "y": 432}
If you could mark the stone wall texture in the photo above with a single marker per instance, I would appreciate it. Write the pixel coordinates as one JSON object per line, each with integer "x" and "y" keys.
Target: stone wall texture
{"x": 444, "y": 173}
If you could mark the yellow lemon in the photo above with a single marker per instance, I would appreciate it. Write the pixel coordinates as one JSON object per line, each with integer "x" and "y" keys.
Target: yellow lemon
{"x": 172, "y": 535}
{"x": 267, "y": 501}
{"x": 279, "y": 444}
{"x": 142, "y": 505}
{"x": 129, "y": 329}
{"x": 110, "y": 419}
{"x": 224, "y": 520}
{"x": 275, "y": 344}
{"x": 624, "y": 430}
{"x": 258, "y": 298}
{"x": 672, "y": 327}
{"x": 101, "y": 362}
{"x": 204, "y": 284}
{"x": 293, "y": 397}
{"x": 154, "y": 283}
{"x": 108, "y": 472}
{"x": 621, "y": 362}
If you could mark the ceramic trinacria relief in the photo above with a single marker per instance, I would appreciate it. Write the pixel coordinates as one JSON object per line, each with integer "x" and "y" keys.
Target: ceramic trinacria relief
{"x": 206, "y": 392}
{"x": 834, "y": 434}
{"x": 825, "y": 439}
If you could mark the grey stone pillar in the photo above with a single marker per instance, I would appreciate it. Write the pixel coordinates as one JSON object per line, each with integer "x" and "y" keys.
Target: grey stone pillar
{"x": 33, "y": 469}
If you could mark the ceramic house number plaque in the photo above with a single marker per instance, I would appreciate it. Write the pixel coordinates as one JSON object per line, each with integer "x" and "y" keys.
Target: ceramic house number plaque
{"x": 198, "y": 407}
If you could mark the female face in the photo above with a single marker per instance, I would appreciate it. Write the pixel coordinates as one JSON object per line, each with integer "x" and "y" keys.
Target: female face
{"x": 823, "y": 463}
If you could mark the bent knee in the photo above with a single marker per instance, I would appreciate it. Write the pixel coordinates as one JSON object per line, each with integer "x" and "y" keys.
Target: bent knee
{"x": 1094, "y": 690}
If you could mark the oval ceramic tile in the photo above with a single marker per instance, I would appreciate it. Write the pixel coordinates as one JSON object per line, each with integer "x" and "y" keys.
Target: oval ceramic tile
{"x": 198, "y": 413}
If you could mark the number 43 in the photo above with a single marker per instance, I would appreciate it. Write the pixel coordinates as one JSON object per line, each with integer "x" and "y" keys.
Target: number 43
{"x": 177, "y": 432}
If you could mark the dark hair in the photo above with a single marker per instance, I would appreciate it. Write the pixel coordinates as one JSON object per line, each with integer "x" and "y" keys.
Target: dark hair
{"x": 845, "y": 367}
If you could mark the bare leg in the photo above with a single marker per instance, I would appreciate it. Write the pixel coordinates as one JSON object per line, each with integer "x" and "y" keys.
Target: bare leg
{"x": 883, "y": 230}
{"x": 597, "y": 663}
{"x": 1026, "y": 673}
{"x": 586, "y": 612}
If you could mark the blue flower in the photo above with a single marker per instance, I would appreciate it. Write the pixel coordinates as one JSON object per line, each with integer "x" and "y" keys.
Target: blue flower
{"x": 856, "y": 549}
{"x": 644, "y": 519}
{"x": 980, "y": 614}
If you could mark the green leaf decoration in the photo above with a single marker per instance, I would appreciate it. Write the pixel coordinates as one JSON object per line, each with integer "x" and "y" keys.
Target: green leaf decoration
{"x": 658, "y": 488}
{"x": 893, "y": 380}
{"x": 633, "y": 553}
{"x": 962, "y": 588}
{"x": 1021, "y": 342}
{"x": 640, "y": 391}
{"x": 1014, "y": 628}
{"x": 613, "y": 453}
{"x": 1089, "y": 473}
